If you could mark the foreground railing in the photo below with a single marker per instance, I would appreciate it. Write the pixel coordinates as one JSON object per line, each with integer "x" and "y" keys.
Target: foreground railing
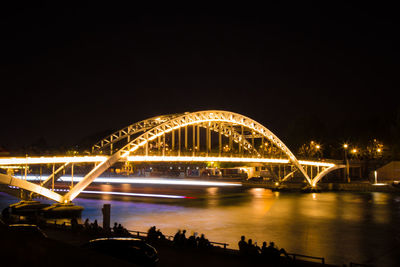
{"x": 141, "y": 234}
{"x": 294, "y": 256}
{"x": 354, "y": 264}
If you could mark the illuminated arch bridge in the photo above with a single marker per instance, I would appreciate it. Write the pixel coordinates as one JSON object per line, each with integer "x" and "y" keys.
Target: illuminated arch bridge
{"x": 202, "y": 136}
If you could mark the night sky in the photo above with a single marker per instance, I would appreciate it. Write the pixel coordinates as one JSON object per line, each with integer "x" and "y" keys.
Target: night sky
{"x": 324, "y": 72}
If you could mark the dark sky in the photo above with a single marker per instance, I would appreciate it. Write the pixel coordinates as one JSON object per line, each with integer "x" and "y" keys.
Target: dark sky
{"x": 70, "y": 72}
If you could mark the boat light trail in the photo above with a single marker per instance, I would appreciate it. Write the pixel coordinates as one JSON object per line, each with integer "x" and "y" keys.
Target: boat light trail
{"x": 155, "y": 181}
{"x": 133, "y": 194}
{"x": 119, "y": 193}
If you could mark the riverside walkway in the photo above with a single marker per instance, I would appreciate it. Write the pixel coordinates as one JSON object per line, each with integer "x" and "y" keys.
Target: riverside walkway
{"x": 63, "y": 247}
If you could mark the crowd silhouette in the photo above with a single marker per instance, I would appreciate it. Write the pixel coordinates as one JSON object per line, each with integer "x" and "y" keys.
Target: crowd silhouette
{"x": 194, "y": 241}
{"x": 119, "y": 230}
{"x": 93, "y": 228}
{"x": 179, "y": 240}
{"x": 251, "y": 249}
{"x": 154, "y": 236}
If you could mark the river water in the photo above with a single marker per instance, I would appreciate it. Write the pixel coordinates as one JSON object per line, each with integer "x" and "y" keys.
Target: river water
{"x": 342, "y": 227}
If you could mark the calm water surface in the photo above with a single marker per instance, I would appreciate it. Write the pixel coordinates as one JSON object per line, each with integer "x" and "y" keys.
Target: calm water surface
{"x": 342, "y": 227}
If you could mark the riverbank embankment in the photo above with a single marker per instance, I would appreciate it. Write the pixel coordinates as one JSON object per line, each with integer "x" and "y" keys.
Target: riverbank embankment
{"x": 63, "y": 247}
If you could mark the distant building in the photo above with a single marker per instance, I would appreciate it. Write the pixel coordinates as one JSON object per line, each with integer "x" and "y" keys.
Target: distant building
{"x": 389, "y": 172}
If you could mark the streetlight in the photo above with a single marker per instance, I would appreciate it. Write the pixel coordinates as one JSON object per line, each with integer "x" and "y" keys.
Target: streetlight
{"x": 318, "y": 149}
{"x": 345, "y": 147}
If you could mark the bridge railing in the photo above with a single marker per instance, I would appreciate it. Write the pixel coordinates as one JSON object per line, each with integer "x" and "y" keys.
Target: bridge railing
{"x": 213, "y": 153}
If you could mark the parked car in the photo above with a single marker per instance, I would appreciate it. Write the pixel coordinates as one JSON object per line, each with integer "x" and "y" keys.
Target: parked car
{"x": 26, "y": 231}
{"x": 133, "y": 250}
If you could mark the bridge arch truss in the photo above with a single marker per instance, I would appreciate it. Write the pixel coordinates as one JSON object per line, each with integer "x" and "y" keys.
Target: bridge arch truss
{"x": 236, "y": 127}
{"x": 202, "y": 134}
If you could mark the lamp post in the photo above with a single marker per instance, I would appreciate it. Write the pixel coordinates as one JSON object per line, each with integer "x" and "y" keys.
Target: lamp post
{"x": 378, "y": 152}
{"x": 354, "y": 151}
{"x": 347, "y": 176}
{"x": 317, "y": 147}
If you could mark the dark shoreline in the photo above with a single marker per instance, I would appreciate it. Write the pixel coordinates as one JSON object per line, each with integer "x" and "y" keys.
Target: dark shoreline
{"x": 65, "y": 243}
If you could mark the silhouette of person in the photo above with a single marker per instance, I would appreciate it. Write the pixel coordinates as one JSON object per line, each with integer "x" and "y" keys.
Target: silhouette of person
{"x": 177, "y": 237}
{"x": 277, "y": 252}
{"x": 192, "y": 241}
{"x": 242, "y": 245}
{"x": 203, "y": 242}
{"x": 152, "y": 234}
{"x": 182, "y": 238}
{"x": 264, "y": 249}
{"x": 251, "y": 248}
{"x": 74, "y": 223}
{"x": 160, "y": 235}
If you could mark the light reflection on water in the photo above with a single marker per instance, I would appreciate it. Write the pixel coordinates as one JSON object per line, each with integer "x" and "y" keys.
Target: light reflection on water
{"x": 342, "y": 227}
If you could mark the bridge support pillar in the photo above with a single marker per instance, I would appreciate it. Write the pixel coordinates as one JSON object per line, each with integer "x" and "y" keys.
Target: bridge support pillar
{"x": 173, "y": 140}
{"x": 72, "y": 175}
{"x": 186, "y": 138}
{"x": 193, "y": 140}
{"x": 163, "y": 145}
{"x": 220, "y": 140}
{"x": 198, "y": 137}
{"x": 146, "y": 148}
{"x": 179, "y": 142}
{"x": 230, "y": 140}
{"x": 52, "y": 179}
{"x": 262, "y": 146}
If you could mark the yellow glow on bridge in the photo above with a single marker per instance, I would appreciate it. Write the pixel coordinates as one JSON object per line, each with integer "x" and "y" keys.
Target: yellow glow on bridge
{"x": 232, "y": 125}
{"x": 222, "y": 159}
{"x": 93, "y": 159}
{"x": 47, "y": 160}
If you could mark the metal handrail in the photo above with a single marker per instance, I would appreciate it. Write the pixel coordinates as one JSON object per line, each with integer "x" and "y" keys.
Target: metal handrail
{"x": 218, "y": 243}
{"x": 294, "y": 255}
{"x": 170, "y": 237}
{"x": 354, "y": 264}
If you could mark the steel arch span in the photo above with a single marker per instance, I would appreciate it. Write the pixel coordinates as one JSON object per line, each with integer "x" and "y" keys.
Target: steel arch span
{"x": 12, "y": 181}
{"x": 223, "y": 122}
{"x": 210, "y": 135}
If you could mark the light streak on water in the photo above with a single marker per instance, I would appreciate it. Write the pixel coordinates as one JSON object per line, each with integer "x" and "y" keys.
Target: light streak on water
{"x": 118, "y": 193}
{"x": 133, "y": 194}
{"x": 136, "y": 180}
